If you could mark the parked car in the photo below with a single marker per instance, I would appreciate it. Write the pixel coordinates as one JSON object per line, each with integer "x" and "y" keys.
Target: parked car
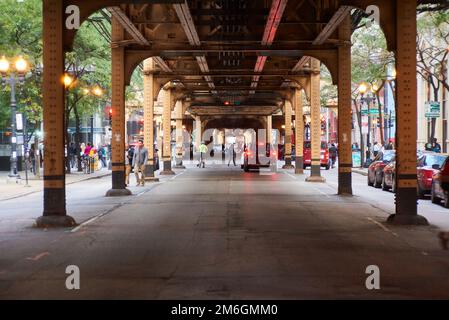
{"x": 388, "y": 179}
{"x": 325, "y": 161}
{"x": 440, "y": 184}
{"x": 376, "y": 168}
{"x": 428, "y": 164}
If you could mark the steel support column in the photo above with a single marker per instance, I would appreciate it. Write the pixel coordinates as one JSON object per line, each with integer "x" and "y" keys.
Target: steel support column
{"x": 288, "y": 136}
{"x": 166, "y": 128}
{"x": 315, "y": 125}
{"x": 406, "y": 104}
{"x": 148, "y": 114}
{"x": 179, "y": 134}
{"x": 54, "y": 213}
{"x": 344, "y": 110}
{"x": 199, "y": 133}
{"x": 118, "y": 114}
{"x": 299, "y": 132}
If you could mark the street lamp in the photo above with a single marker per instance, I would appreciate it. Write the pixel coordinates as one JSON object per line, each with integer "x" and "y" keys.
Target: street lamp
{"x": 367, "y": 99}
{"x": 16, "y": 76}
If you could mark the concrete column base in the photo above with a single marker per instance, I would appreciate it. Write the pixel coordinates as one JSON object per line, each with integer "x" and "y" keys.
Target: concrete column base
{"x": 299, "y": 165}
{"x": 407, "y": 219}
{"x": 118, "y": 192}
{"x": 167, "y": 173}
{"x": 315, "y": 179}
{"x": 288, "y": 163}
{"x": 151, "y": 179}
{"x": 55, "y": 222}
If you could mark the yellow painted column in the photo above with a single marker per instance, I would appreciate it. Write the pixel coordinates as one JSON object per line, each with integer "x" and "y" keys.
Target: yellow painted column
{"x": 179, "y": 134}
{"x": 344, "y": 109}
{"x": 54, "y": 213}
{"x": 299, "y": 132}
{"x": 406, "y": 104}
{"x": 118, "y": 114}
{"x": 148, "y": 114}
{"x": 166, "y": 128}
{"x": 315, "y": 112}
{"x": 288, "y": 136}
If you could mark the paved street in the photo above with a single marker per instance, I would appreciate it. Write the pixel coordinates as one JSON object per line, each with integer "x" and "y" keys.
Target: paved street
{"x": 221, "y": 233}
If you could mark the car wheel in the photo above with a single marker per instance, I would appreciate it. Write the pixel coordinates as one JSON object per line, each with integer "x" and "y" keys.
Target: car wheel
{"x": 377, "y": 182}
{"x": 369, "y": 181}
{"x": 433, "y": 196}
{"x": 385, "y": 187}
{"x": 328, "y": 166}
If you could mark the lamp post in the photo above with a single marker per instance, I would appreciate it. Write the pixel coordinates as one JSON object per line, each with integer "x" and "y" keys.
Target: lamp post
{"x": 367, "y": 99}
{"x": 12, "y": 80}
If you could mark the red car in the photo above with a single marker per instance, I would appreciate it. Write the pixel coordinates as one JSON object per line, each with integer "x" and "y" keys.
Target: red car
{"x": 428, "y": 164}
{"x": 325, "y": 161}
{"x": 376, "y": 169}
{"x": 440, "y": 184}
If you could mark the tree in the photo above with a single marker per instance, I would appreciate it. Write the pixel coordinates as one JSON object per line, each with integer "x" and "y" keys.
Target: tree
{"x": 433, "y": 53}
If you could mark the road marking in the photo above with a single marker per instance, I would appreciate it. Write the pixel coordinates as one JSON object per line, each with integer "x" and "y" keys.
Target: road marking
{"x": 382, "y": 226}
{"x": 291, "y": 176}
{"x": 39, "y": 256}
{"x": 86, "y": 222}
{"x": 179, "y": 174}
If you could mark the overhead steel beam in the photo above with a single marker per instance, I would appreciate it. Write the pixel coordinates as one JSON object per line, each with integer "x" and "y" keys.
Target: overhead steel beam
{"x": 183, "y": 12}
{"x": 301, "y": 63}
{"x": 162, "y": 64}
{"x": 330, "y": 28}
{"x": 271, "y": 27}
{"x": 123, "y": 19}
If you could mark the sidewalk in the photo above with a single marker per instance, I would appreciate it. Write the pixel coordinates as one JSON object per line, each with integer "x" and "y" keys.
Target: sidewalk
{"x": 9, "y": 189}
{"x": 362, "y": 171}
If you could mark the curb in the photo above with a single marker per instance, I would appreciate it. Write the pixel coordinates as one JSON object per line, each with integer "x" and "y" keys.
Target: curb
{"x": 363, "y": 173}
{"x": 73, "y": 182}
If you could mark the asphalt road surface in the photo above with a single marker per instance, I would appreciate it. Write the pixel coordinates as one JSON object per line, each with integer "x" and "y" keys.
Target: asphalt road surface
{"x": 220, "y": 233}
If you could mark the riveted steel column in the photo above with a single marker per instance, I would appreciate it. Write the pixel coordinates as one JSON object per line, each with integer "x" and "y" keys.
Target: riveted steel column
{"x": 288, "y": 135}
{"x": 406, "y": 104}
{"x": 166, "y": 128}
{"x": 54, "y": 214}
{"x": 199, "y": 133}
{"x": 299, "y": 132}
{"x": 148, "y": 114}
{"x": 344, "y": 109}
{"x": 118, "y": 114}
{"x": 179, "y": 134}
{"x": 315, "y": 112}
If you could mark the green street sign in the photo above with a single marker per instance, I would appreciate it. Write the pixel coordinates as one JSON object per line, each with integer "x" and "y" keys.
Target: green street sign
{"x": 432, "y": 109}
{"x": 374, "y": 111}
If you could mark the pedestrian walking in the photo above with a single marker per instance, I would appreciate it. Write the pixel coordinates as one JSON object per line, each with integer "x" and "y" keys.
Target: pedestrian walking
{"x": 140, "y": 158}
{"x": 102, "y": 156}
{"x": 203, "y": 150}
{"x": 436, "y": 147}
{"x": 333, "y": 154}
{"x": 129, "y": 153}
{"x": 232, "y": 154}
{"x": 32, "y": 155}
{"x": 376, "y": 148}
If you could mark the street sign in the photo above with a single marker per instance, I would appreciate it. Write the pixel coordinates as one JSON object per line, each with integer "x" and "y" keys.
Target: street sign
{"x": 374, "y": 111}
{"x": 356, "y": 159}
{"x": 432, "y": 109}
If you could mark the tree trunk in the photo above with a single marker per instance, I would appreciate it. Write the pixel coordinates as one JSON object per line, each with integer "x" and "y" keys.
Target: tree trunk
{"x": 67, "y": 136}
{"x": 381, "y": 118}
{"x": 78, "y": 137}
{"x": 359, "y": 123}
